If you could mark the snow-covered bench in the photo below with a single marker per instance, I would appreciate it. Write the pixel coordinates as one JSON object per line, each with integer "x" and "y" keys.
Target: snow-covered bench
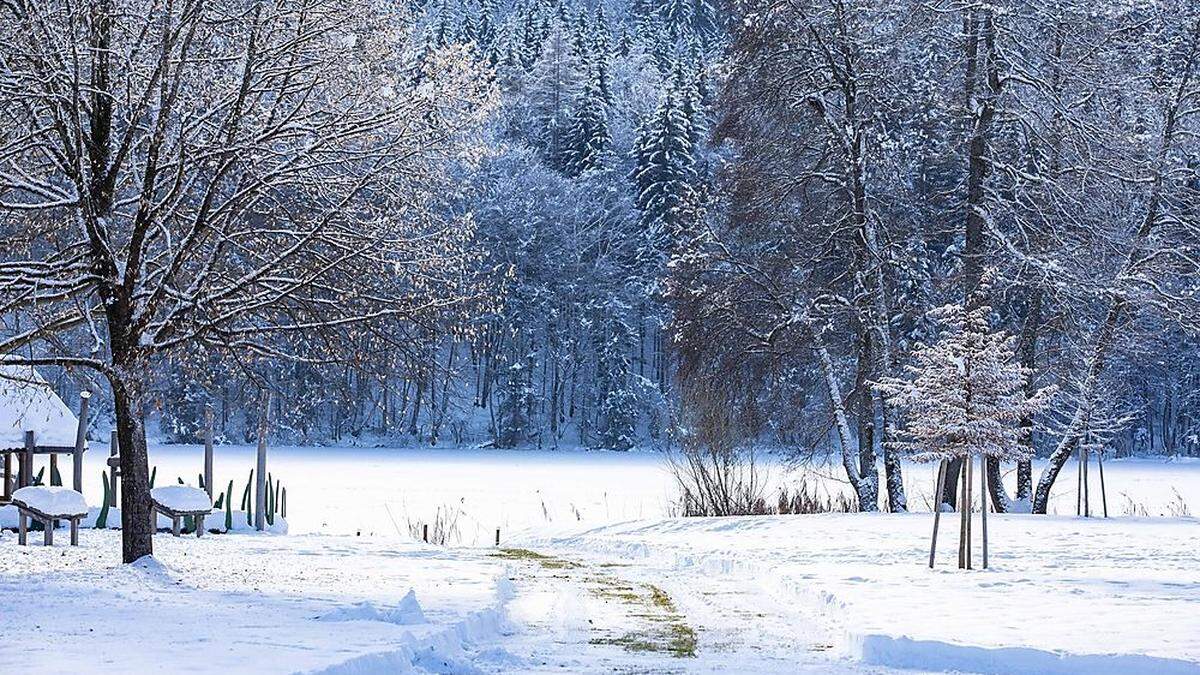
{"x": 48, "y": 504}
{"x": 179, "y": 501}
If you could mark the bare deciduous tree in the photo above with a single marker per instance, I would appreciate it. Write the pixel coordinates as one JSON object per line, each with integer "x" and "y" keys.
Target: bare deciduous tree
{"x": 217, "y": 172}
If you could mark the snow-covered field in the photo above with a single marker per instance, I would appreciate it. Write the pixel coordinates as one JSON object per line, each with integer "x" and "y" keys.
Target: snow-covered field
{"x": 594, "y": 575}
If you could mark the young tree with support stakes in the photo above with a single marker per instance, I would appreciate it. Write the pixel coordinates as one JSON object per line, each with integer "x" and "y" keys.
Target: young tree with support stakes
{"x": 964, "y": 399}
{"x": 245, "y": 176}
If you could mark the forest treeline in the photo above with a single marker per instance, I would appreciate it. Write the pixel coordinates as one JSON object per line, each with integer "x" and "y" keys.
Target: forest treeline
{"x": 756, "y": 203}
{"x": 858, "y": 154}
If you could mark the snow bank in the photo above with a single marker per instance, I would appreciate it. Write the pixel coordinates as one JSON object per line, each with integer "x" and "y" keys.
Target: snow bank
{"x": 902, "y": 652}
{"x": 27, "y": 403}
{"x": 182, "y": 498}
{"x": 407, "y": 613}
{"x": 446, "y": 651}
{"x": 53, "y": 500}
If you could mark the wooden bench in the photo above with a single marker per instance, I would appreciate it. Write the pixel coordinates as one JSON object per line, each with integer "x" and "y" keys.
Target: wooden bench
{"x": 48, "y": 520}
{"x": 177, "y": 516}
{"x": 179, "y": 494}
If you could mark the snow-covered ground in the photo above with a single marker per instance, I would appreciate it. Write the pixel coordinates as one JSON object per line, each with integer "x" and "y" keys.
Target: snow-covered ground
{"x": 595, "y": 575}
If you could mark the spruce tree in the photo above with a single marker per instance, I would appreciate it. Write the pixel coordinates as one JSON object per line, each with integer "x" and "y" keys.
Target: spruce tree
{"x": 588, "y": 137}
{"x": 664, "y": 174}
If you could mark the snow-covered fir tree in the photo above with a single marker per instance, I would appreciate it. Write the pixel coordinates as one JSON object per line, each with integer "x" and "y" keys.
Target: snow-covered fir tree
{"x": 665, "y": 167}
{"x": 965, "y": 393}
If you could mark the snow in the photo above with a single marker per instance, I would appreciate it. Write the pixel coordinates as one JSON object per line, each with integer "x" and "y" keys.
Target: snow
{"x": 181, "y": 498}
{"x": 587, "y": 541}
{"x": 28, "y": 404}
{"x": 406, "y": 613}
{"x": 54, "y": 501}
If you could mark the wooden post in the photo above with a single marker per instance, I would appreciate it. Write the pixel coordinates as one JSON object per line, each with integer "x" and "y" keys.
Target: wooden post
{"x": 74, "y": 531}
{"x": 983, "y": 505}
{"x": 53, "y": 468}
{"x": 963, "y": 537}
{"x": 25, "y": 478}
{"x": 1079, "y": 481}
{"x": 969, "y": 476}
{"x": 497, "y": 536}
{"x": 8, "y": 477}
{"x": 260, "y": 478}
{"x": 27, "y": 461}
{"x": 937, "y": 508}
{"x": 80, "y": 442}
{"x": 48, "y": 532}
{"x": 425, "y": 533}
{"x": 1103, "y": 491}
{"x": 1087, "y": 509}
{"x": 208, "y": 450}
{"x": 113, "y": 449}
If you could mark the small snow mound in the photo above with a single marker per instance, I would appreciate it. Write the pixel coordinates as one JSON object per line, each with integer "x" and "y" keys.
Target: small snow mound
{"x": 182, "y": 498}
{"x": 407, "y": 613}
{"x": 152, "y": 567}
{"x": 52, "y": 500}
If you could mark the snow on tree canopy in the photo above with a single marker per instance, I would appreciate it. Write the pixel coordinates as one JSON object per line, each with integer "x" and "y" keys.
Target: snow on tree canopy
{"x": 27, "y": 403}
{"x": 182, "y": 498}
{"x": 52, "y": 500}
{"x": 965, "y": 394}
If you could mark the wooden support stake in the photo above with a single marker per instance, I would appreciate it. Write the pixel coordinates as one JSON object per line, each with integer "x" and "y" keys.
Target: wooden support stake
{"x": 497, "y": 536}
{"x": 425, "y": 533}
{"x": 937, "y": 508}
{"x": 80, "y": 442}
{"x": 48, "y": 530}
{"x": 983, "y": 505}
{"x": 970, "y": 502}
{"x": 260, "y": 501}
{"x": 74, "y": 531}
{"x": 1103, "y": 491}
{"x": 208, "y": 450}
{"x": 8, "y": 477}
{"x": 1079, "y": 481}
{"x": 1087, "y": 509}
{"x": 963, "y": 537}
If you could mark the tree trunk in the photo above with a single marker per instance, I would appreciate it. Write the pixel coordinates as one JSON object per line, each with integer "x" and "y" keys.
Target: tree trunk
{"x": 977, "y": 27}
{"x": 1074, "y": 431}
{"x": 136, "y": 531}
{"x": 897, "y": 501}
{"x": 867, "y": 491}
{"x": 1106, "y": 333}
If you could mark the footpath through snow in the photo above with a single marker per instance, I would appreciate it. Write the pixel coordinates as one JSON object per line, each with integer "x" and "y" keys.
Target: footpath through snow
{"x": 1063, "y": 595}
